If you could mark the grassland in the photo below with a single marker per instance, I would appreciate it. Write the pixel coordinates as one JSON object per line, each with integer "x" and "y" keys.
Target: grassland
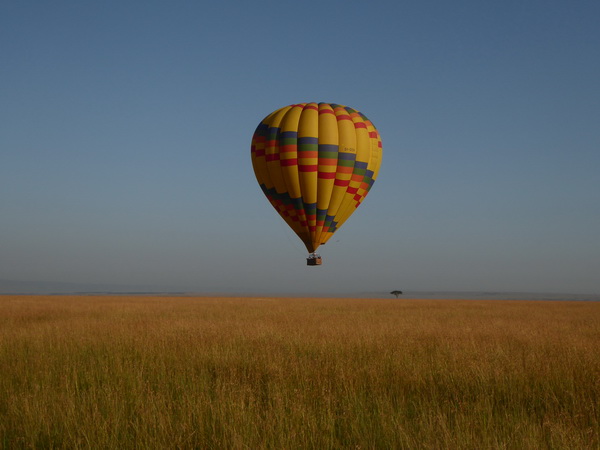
{"x": 150, "y": 372}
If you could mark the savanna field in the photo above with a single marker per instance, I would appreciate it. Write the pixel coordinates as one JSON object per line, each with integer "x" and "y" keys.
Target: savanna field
{"x": 185, "y": 372}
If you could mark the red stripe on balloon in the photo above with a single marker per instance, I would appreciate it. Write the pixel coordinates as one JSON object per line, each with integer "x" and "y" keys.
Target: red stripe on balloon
{"x": 289, "y": 162}
{"x": 307, "y": 168}
{"x": 327, "y": 175}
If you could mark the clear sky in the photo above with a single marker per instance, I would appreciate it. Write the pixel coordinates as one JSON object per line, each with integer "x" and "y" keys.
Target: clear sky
{"x": 125, "y": 131}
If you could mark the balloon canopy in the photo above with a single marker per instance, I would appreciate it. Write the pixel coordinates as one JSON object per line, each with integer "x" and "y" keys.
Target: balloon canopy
{"x": 316, "y": 163}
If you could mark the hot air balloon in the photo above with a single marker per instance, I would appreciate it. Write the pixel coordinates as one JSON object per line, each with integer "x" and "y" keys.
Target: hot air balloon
{"x": 315, "y": 163}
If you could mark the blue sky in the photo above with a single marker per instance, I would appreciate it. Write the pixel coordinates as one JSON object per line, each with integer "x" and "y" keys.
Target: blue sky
{"x": 125, "y": 133}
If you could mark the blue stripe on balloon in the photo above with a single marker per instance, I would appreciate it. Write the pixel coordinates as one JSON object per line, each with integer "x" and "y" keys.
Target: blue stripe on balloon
{"x": 347, "y": 156}
{"x": 307, "y": 140}
{"x": 289, "y": 134}
{"x": 328, "y": 148}
{"x": 310, "y": 208}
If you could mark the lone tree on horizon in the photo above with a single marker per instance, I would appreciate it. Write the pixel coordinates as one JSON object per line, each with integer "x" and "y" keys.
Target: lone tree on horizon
{"x": 396, "y": 293}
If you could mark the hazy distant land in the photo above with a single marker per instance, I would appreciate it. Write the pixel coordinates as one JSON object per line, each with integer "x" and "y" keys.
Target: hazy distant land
{"x": 8, "y": 287}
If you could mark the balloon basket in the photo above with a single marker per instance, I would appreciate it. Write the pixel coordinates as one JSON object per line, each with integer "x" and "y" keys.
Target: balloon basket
{"x": 314, "y": 260}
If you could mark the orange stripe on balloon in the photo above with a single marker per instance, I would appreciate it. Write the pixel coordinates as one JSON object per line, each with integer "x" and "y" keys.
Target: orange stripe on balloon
{"x": 288, "y": 148}
{"x": 328, "y": 161}
{"x": 308, "y": 154}
{"x": 344, "y": 169}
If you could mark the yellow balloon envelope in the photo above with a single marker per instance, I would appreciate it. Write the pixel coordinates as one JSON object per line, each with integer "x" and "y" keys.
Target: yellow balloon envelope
{"x": 316, "y": 163}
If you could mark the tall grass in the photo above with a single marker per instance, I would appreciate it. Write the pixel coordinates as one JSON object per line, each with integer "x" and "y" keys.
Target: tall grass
{"x": 149, "y": 372}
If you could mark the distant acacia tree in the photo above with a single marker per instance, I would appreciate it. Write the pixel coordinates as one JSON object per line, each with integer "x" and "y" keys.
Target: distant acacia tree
{"x": 396, "y": 293}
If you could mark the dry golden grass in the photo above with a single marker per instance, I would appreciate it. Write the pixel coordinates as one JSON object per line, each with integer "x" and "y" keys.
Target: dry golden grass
{"x": 151, "y": 372}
